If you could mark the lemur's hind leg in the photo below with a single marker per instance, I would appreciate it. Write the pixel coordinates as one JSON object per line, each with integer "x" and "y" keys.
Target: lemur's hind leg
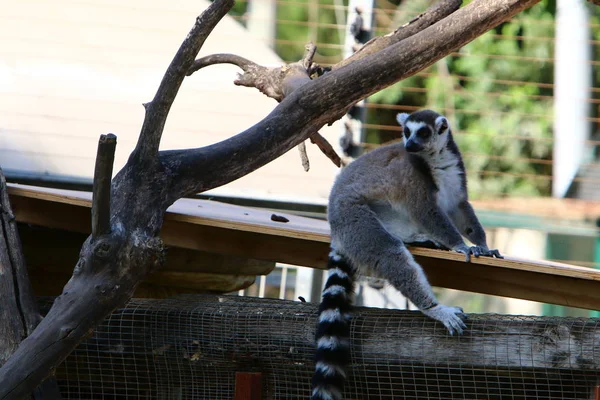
{"x": 376, "y": 250}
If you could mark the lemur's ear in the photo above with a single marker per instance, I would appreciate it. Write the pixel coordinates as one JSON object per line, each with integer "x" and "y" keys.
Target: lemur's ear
{"x": 441, "y": 125}
{"x": 401, "y": 118}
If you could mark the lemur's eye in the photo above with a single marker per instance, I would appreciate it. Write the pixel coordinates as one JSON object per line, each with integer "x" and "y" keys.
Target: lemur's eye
{"x": 406, "y": 132}
{"x": 424, "y": 133}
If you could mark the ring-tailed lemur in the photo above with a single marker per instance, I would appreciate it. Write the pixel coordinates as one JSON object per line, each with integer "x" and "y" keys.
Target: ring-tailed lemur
{"x": 413, "y": 192}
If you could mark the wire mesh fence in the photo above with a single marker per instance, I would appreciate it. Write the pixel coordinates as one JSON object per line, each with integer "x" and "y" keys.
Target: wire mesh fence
{"x": 190, "y": 347}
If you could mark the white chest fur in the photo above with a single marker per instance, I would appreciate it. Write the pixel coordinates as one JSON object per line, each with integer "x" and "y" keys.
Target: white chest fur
{"x": 448, "y": 178}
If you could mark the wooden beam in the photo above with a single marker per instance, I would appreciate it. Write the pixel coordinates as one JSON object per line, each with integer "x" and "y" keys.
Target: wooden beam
{"x": 545, "y": 281}
{"x": 193, "y": 224}
{"x": 213, "y": 227}
{"x": 51, "y": 255}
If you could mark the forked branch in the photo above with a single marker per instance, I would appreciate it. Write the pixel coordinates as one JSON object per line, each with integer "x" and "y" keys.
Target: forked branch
{"x": 275, "y": 83}
{"x": 158, "y": 109}
{"x": 327, "y": 98}
{"x": 282, "y": 81}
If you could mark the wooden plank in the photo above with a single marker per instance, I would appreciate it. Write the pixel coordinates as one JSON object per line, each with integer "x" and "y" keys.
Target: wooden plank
{"x": 302, "y": 241}
{"x": 213, "y": 227}
{"x": 198, "y": 212}
{"x": 51, "y": 255}
{"x": 248, "y": 386}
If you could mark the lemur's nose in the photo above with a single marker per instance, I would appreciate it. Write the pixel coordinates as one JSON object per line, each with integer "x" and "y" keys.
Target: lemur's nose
{"x": 412, "y": 146}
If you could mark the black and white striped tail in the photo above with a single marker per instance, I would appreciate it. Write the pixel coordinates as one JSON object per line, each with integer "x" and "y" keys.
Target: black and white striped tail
{"x": 333, "y": 330}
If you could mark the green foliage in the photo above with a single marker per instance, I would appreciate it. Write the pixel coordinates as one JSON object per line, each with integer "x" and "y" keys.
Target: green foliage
{"x": 238, "y": 10}
{"x": 503, "y": 129}
{"x": 295, "y": 28}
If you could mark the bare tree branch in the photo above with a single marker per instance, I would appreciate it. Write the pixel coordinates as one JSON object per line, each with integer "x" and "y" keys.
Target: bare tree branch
{"x": 19, "y": 313}
{"x": 223, "y": 58}
{"x": 266, "y": 80}
{"x": 158, "y": 109}
{"x": 307, "y": 62}
{"x": 304, "y": 156}
{"x": 105, "y": 159}
{"x": 326, "y": 148}
{"x": 309, "y": 54}
{"x": 429, "y": 17}
{"x": 326, "y": 99}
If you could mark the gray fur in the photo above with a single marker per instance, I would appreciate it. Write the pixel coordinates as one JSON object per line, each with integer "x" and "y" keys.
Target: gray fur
{"x": 390, "y": 197}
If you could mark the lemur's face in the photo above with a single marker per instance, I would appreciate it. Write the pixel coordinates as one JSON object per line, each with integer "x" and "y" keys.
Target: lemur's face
{"x": 424, "y": 131}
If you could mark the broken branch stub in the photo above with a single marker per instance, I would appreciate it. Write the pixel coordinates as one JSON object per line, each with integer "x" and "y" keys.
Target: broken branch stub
{"x": 105, "y": 158}
{"x": 304, "y": 156}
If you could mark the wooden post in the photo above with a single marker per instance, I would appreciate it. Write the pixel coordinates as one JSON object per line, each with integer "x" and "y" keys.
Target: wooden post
{"x": 597, "y": 393}
{"x": 248, "y": 386}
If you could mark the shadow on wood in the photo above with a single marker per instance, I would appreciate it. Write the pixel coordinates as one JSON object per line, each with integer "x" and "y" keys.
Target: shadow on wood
{"x": 51, "y": 254}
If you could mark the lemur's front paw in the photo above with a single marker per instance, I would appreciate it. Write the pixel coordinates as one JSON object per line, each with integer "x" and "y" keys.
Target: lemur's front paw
{"x": 452, "y": 317}
{"x": 467, "y": 251}
{"x": 477, "y": 251}
{"x": 492, "y": 253}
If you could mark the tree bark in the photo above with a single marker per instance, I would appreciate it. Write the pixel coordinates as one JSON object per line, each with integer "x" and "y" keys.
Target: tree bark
{"x": 114, "y": 261}
{"x": 19, "y": 313}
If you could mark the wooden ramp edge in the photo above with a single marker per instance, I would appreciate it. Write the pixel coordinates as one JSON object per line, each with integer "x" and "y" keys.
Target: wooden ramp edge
{"x": 248, "y": 232}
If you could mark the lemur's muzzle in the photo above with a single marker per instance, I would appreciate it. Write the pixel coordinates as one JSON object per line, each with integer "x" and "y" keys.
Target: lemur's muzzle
{"x": 412, "y": 146}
